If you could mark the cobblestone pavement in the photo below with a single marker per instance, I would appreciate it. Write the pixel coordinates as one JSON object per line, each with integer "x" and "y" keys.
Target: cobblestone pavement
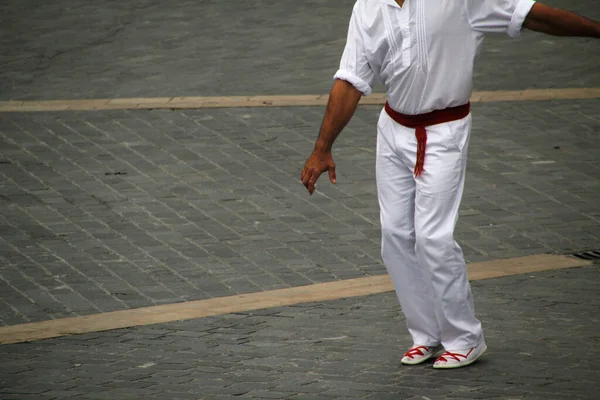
{"x": 73, "y": 49}
{"x": 109, "y": 210}
{"x": 541, "y": 346}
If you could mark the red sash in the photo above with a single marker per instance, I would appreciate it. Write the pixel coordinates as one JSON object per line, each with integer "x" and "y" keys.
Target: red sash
{"x": 422, "y": 121}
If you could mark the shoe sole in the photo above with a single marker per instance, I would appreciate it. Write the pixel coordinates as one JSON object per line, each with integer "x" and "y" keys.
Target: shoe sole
{"x": 417, "y": 362}
{"x": 466, "y": 364}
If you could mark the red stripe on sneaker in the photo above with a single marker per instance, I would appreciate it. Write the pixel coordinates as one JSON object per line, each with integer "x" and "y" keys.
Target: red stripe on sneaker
{"x": 416, "y": 351}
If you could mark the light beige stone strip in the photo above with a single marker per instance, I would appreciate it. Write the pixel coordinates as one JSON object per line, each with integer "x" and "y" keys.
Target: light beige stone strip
{"x": 522, "y": 265}
{"x": 254, "y": 301}
{"x": 273, "y": 101}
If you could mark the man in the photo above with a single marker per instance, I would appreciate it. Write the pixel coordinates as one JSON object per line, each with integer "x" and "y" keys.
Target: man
{"x": 423, "y": 51}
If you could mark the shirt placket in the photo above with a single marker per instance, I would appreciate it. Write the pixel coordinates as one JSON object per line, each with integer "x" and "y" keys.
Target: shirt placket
{"x": 405, "y": 31}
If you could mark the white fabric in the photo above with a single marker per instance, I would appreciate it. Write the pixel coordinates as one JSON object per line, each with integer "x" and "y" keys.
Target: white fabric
{"x": 498, "y": 16}
{"x": 424, "y": 51}
{"x": 418, "y": 217}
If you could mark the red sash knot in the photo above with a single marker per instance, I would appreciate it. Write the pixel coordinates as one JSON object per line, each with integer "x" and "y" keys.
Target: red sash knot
{"x": 421, "y": 121}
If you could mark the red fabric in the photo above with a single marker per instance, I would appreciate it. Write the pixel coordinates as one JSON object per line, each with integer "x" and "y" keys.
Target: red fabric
{"x": 421, "y": 121}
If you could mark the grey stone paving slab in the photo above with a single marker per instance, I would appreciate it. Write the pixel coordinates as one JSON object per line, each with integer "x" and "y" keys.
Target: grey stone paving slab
{"x": 74, "y": 49}
{"x": 541, "y": 331}
{"x": 101, "y": 211}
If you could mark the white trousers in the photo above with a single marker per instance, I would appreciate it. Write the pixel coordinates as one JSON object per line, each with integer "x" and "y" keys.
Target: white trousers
{"x": 418, "y": 217}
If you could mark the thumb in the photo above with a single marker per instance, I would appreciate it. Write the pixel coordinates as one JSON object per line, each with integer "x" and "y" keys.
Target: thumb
{"x": 332, "y": 174}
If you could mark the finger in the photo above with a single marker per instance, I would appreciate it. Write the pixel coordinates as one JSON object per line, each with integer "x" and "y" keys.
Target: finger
{"x": 332, "y": 177}
{"x": 306, "y": 172}
{"x": 306, "y": 179}
{"x": 313, "y": 180}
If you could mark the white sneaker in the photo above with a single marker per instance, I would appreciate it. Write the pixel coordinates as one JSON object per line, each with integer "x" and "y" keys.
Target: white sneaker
{"x": 460, "y": 358}
{"x": 417, "y": 354}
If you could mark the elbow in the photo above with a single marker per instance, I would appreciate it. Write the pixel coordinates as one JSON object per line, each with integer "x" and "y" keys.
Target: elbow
{"x": 348, "y": 88}
{"x": 353, "y": 80}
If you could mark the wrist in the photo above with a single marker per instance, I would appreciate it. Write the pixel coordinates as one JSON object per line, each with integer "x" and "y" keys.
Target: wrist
{"x": 322, "y": 146}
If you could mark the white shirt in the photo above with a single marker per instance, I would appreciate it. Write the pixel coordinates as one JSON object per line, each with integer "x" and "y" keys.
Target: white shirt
{"x": 424, "y": 51}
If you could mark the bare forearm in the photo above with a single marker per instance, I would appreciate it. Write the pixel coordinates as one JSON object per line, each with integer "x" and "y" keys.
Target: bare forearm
{"x": 343, "y": 100}
{"x": 553, "y": 21}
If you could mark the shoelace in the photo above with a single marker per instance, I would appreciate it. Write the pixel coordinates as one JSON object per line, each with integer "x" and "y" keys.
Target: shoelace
{"x": 416, "y": 351}
{"x": 444, "y": 357}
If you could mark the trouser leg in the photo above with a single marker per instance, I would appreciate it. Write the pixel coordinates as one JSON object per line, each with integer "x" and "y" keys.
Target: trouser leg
{"x": 438, "y": 194}
{"x": 396, "y": 192}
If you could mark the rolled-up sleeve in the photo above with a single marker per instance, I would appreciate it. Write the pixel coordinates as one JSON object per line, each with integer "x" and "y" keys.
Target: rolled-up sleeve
{"x": 498, "y": 16}
{"x": 354, "y": 66}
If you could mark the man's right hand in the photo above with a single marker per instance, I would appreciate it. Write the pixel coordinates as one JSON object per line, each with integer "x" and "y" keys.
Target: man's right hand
{"x": 343, "y": 99}
{"x": 318, "y": 162}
